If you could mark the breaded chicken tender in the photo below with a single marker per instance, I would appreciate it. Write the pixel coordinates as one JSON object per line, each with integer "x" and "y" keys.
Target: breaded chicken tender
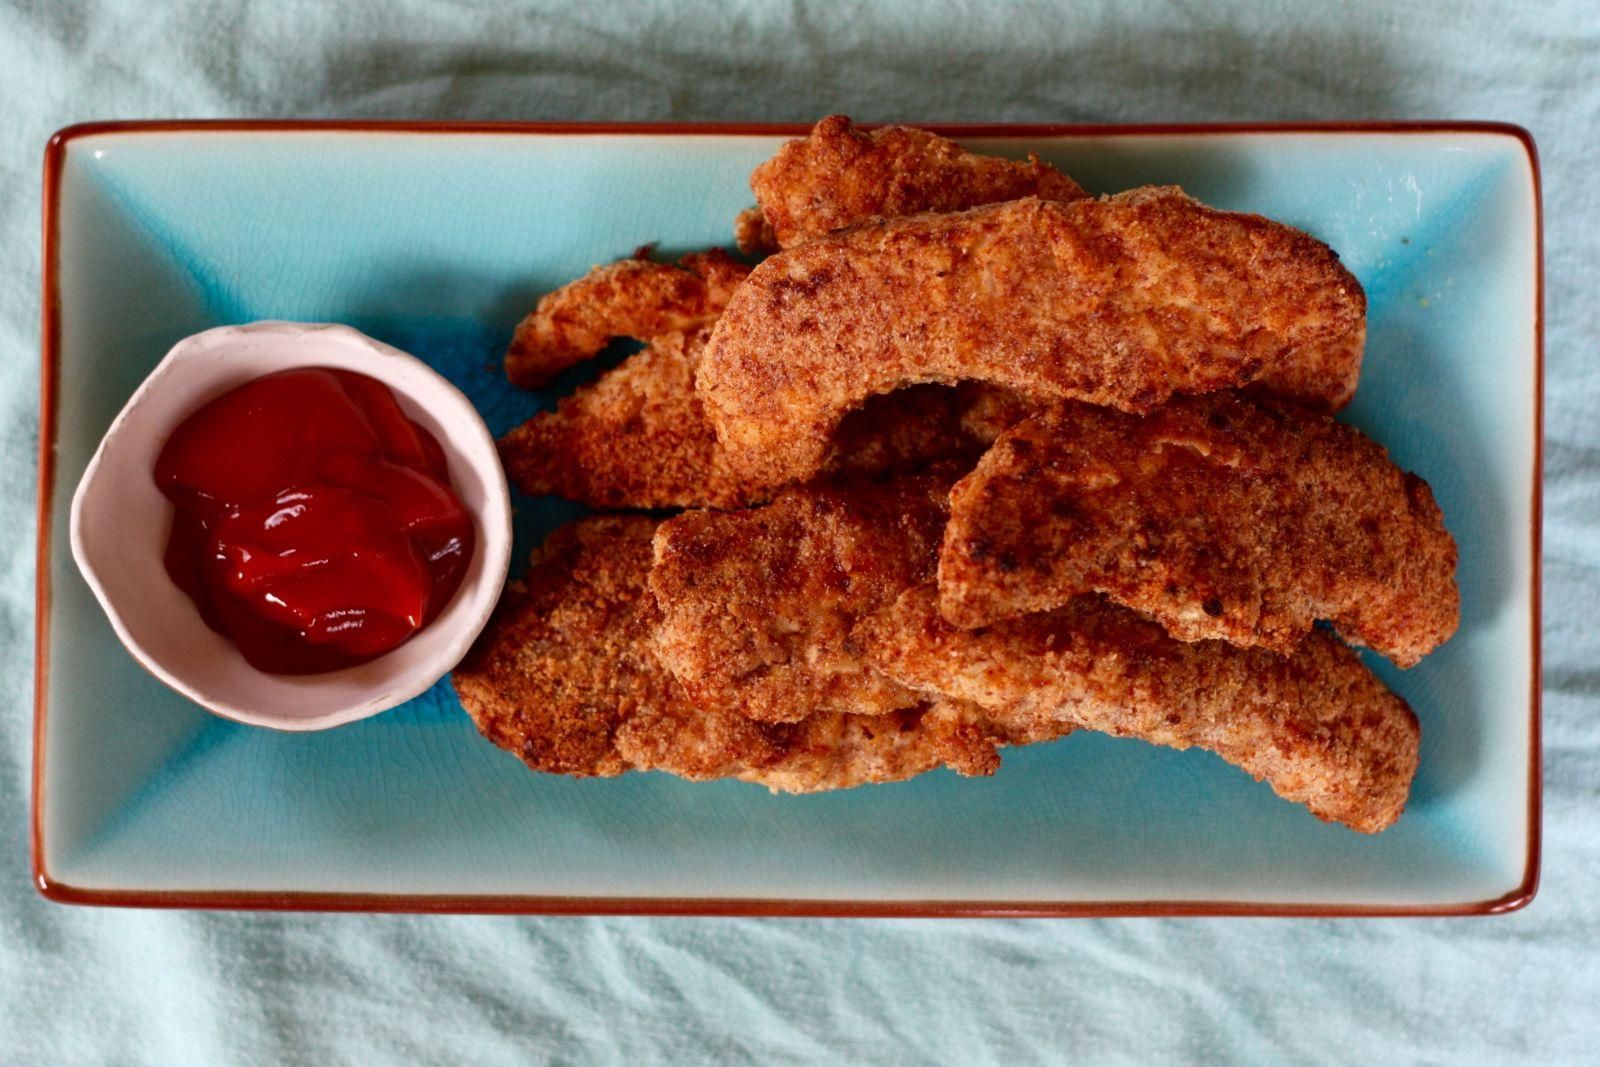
{"x": 635, "y": 297}
{"x": 841, "y": 175}
{"x": 1218, "y": 516}
{"x": 757, "y": 606}
{"x": 1121, "y": 301}
{"x": 638, "y": 436}
{"x": 564, "y": 679}
{"x": 1317, "y": 726}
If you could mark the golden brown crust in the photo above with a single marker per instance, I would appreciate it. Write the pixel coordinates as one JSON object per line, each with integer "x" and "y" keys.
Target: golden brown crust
{"x": 824, "y": 751}
{"x": 752, "y": 233}
{"x": 840, "y": 175}
{"x": 757, "y": 606}
{"x": 559, "y": 667}
{"x": 1219, "y": 516}
{"x": 1317, "y": 726}
{"x": 913, "y": 428}
{"x": 636, "y": 437}
{"x": 1121, "y": 301}
{"x": 564, "y": 678}
{"x": 1322, "y": 377}
{"x": 635, "y": 297}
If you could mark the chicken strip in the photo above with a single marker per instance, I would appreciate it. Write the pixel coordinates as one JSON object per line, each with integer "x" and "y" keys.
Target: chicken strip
{"x": 564, "y": 679}
{"x": 1317, "y": 726}
{"x": 1219, "y": 516}
{"x": 638, "y": 437}
{"x": 1121, "y": 301}
{"x": 635, "y": 297}
{"x": 841, "y": 175}
{"x": 757, "y": 606}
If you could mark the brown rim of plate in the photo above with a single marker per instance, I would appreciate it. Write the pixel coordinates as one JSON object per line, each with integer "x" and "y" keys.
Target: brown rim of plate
{"x": 49, "y": 384}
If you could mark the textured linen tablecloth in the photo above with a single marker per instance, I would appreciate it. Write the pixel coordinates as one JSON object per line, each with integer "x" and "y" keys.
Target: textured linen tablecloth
{"x": 84, "y": 986}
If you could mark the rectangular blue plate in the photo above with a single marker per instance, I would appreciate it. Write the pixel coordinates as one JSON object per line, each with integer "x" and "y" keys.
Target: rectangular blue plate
{"x": 438, "y": 238}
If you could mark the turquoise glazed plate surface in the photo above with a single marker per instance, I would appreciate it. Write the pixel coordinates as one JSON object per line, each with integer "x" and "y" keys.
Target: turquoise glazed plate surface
{"x": 436, "y": 239}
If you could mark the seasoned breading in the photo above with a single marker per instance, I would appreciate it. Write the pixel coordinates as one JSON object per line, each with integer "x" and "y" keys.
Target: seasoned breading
{"x": 826, "y": 751}
{"x": 752, "y": 233}
{"x": 757, "y": 606}
{"x": 635, "y": 297}
{"x": 1321, "y": 376}
{"x": 564, "y": 679}
{"x": 1219, "y": 516}
{"x": 1317, "y": 726}
{"x": 638, "y": 437}
{"x": 1120, "y": 301}
{"x": 841, "y": 175}
{"x": 562, "y": 664}
{"x": 913, "y": 428}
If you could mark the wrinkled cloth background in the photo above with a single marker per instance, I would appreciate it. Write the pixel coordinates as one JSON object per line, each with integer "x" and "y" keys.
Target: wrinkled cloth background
{"x": 80, "y": 986}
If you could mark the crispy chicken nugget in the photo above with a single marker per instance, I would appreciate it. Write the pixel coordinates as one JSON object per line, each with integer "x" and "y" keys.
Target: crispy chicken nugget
{"x": 841, "y": 175}
{"x": 757, "y": 606}
{"x": 1120, "y": 301}
{"x": 564, "y": 679}
{"x": 1317, "y": 726}
{"x": 635, "y": 297}
{"x": 1219, "y": 516}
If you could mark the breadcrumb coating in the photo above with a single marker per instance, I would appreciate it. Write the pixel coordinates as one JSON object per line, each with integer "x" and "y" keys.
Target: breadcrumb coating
{"x": 1121, "y": 301}
{"x": 1219, "y": 516}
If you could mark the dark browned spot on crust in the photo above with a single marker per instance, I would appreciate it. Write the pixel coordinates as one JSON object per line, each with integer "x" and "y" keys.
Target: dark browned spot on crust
{"x": 1249, "y": 534}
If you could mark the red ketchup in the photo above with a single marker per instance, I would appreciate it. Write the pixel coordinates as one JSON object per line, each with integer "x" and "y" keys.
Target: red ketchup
{"x": 316, "y": 526}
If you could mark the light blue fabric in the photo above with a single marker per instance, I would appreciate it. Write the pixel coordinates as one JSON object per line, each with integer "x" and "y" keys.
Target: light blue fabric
{"x": 90, "y": 987}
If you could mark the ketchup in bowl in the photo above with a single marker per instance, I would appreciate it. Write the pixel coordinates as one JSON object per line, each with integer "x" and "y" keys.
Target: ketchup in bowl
{"x": 315, "y": 526}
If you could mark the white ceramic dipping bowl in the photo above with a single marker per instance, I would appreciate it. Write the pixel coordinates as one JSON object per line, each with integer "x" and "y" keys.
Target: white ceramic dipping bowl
{"x": 120, "y": 522}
